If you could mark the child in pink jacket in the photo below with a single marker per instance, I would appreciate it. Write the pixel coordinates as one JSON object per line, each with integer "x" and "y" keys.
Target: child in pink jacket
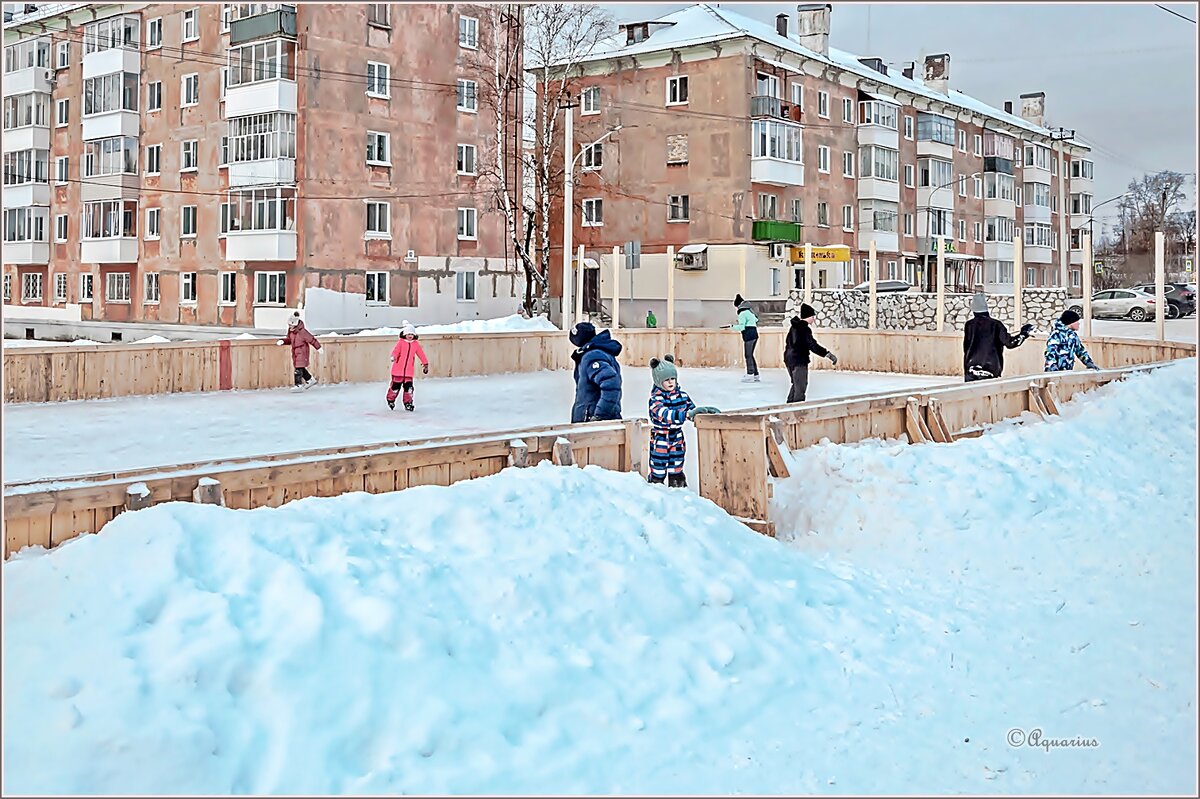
{"x": 404, "y": 356}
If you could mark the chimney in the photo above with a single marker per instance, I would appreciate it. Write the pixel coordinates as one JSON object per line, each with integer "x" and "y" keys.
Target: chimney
{"x": 812, "y": 26}
{"x": 910, "y": 69}
{"x": 875, "y": 64}
{"x": 1033, "y": 107}
{"x": 1008, "y": 106}
{"x": 937, "y": 72}
{"x": 781, "y": 24}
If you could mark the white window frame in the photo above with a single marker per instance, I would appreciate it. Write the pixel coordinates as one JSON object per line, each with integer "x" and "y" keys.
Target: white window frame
{"x": 113, "y": 285}
{"x": 60, "y": 287}
{"x": 151, "y": 281}
{"x": 183, "y": 218}
{"x": 227, "y": 280}
{"x": 375, "y": 283}
{"x": 823, "y": 104}
{"x": 192, "y": 146}
{"x": 8, "y": 288}
{"x": 386, "y": 232}
{"x": 798, "y": 96}
{"x": 386, "y": 138}
{"x": 908, "y": 225}
{"x": 978, "y": 232}
{"x": 194, "y": 80}
{"x": 589, "y": 101}
{"x": 962, "y": 140}
{"x": 592, "y": 157}
{"x": 379, "y": 15}
{"x": 822, "y": 206}
{"x": 460, "y": 284}
{"x": 467, "y": 96}
{"x": 153, "y": 26}
{"x": 226, "y": 17}
{"x": 187, "y": 280}
{"x": 379, "y": 73}
{"x": 153, "y": 93}
{"x": 908, "y": 127}
{"x": 962, "y": 230}
{"x": 848, "y": 110}
{"x": 156, "y": 151}
{"x": 847, "y": 164}
{"x": 191, "y": 19}
{"x": 978, "y": 188}
{"x": 87, "y": 287}
{"x": 679, "y": 208}
{"x": 588, "y": 215}
{"x": 676, "y": 82}
{"x": 978, "y": 144}
{"x": 62, "y": 169}
{"x": 61, "y": 228}
{"x": 797, "y": 210}
{"x": 268, "y": 285}
{"x": 468, "y": 32}
{"x": 62, "y": 56}
{"x": 910, "y": 175}
{"x": 467, "y": 224}
{"x": 62, "y": 112}
{"x": 848, "y": 218}
{"x": 31, "y": 287}
{"x": 153, "y": 224}
{"x": 823, "y": 159}
{"x": 768, "y": 206}
{"x": 461, "y": 159}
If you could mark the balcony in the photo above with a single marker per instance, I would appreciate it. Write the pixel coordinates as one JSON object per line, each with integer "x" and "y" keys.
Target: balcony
{"x": 763, "y": 105}
{"x": 935, "y": 149}
{"x": 1038, "y": 255}
{"x": 998, "y": 251}
{"x": 996, "y": 206}
{"x": 1037, "y": 213}
{"x": 1003, "y": 166}
{"x": 110, "y": 187}
{"x": 776, "y": 172}
{"x": 114, "y": 59}
{"x": 885, "y": 241}
{"x": 26, "y": 252}
{"x": 876, "y": 189}
{"x": 263, "y": 97}
{"x": 879, "y": 136}
{"x": 111, "y": 123}
{"x": 934, "y": 197}
{"x": 260, "y": 245}
{"x": 26, "y": 194}
{"x": 264, "y": 172}
{"x": 263, "y": 26}
{"x": 775, "y": 230}
{"x": 30, "y": 79}
{"x": 29, "y": 137}
{"x": 122, "y": 250}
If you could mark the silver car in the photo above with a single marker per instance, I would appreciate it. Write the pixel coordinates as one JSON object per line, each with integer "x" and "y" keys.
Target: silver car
{"x": 1137, "y": 306}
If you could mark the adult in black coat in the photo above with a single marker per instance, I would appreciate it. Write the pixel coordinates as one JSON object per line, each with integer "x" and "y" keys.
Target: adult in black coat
{"x": 799, "y": 344}
{"x": 984, "y": 342}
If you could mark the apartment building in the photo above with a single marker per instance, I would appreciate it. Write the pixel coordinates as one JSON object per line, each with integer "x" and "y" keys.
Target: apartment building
{"x": 739, "y": 142}
{"x": 226, "y": 163}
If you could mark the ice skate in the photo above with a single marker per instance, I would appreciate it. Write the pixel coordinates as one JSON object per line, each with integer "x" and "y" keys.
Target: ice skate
{"x": 408, "y": 406}
{"x": 392, "y": 404}
{"x": 312, "y": 381}
{"x": 748, "y": 379}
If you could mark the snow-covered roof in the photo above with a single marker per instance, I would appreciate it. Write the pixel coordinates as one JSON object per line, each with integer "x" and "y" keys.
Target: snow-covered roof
{"x": 704, "y": 23}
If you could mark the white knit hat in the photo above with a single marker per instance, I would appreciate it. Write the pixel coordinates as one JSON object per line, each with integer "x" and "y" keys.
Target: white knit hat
{"x": 408, "y": 330}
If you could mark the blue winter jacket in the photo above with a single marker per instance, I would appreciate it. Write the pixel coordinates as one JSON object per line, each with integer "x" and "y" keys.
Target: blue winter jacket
{"x": 597, "y": 380}
{"x": 1062, "y": 347}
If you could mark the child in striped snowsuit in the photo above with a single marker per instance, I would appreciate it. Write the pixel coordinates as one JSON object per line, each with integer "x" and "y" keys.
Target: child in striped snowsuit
{"x": 670, "y": 407}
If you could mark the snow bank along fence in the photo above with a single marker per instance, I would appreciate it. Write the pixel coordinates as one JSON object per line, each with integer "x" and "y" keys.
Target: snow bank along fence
{"x": 56, "y": 373}
{"x": 738, "y": 452}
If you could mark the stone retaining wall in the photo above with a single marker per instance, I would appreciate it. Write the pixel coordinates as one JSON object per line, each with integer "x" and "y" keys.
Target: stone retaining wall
{"x": 838, "y": 308}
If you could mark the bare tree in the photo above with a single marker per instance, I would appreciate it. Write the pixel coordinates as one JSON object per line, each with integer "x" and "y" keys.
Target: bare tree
{"x": 1149, "y": 206}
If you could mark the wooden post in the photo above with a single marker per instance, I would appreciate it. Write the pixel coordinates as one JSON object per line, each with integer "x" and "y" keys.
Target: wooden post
{"x": 936, "y": 423}
{"x": 1160, "y": 294}
{"x": 670, "y": 288}
{"x": 1050, "y": 398}
{"x": 637, "y": 446}
{"x": 777, "y": 448}
{"x": 914, "y": 424}
{"x": 808, "y": 273}
{"x": 941, "y": 283}
{"x": 1086, "y": 282}
{"x": 1018, "y": 280}
{"x": 518, "y": 453}
{"x": 562, "y": 454}
{"x": 616, "y": 309}
{"x": 742, "y": 271}
{"x": 137, "y": 496}
{"x": 579, "y": 288}
{"x": 1035, "y": 398}
{"x": 872, "y": 296}
{"x": 209, "y": 492}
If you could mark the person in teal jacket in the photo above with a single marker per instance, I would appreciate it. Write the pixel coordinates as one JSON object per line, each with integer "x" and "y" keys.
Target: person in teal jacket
{"x": 747, "y": 325}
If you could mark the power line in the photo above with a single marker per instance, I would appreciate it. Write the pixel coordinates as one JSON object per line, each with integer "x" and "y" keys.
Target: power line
{"x": 1181, "y": 16}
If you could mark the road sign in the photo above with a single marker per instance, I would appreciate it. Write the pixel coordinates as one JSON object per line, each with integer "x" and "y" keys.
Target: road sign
{"x": 1187, "y": 264}
{"x": 821, "y": 254}
{"x": 1099, "y": 267}
{"x": 633, "y": 254}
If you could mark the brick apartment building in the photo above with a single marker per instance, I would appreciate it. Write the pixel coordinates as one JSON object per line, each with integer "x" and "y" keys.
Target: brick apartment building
{"x": 738, "y": 140}
{"x": 214, "y": 163}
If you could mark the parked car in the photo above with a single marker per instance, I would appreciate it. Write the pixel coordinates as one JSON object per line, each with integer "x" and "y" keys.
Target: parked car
{"x": 1137, "y": 306}
{"x": 885, "y": 285}
{"x": 1180, "y": 299}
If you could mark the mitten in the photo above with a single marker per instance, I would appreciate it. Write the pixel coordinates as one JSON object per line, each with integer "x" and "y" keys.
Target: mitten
{"x": 425, "y": 368}
{"x": 1094, "y": 368}
{"x": 1026, "y": 329}
{"x": 691, "y": 414}
{"x": 832, "y": 358}
{"x": 278, "y": 343}
{"x": 707, "y": 409}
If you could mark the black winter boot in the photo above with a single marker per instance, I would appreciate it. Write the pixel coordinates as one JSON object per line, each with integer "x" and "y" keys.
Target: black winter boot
{"x": 656, "y": 480}
{"x": 677, "y": 481}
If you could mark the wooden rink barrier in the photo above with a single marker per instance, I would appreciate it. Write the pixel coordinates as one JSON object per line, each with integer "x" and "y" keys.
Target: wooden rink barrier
{"x": 97, "y": 371}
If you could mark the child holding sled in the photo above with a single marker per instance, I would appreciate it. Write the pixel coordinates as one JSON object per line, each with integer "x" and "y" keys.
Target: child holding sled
{"x": 670, "y": 407}
{"x": 404, "y": 356}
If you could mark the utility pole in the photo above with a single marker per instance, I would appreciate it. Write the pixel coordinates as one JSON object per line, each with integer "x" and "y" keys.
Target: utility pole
{"x": 1064, "y": 262}
{"x": 568, "y": 211}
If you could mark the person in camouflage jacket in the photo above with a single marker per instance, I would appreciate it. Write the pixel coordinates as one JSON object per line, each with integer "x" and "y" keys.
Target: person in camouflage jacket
{"x": 1063, "y": 345}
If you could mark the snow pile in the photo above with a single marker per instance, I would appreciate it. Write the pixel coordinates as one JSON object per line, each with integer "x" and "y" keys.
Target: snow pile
{"x": 16, "y": 343}
{"x": 152, "y": 340}
{"x": 245, "y": 337}
{"x": 504, "y": 324}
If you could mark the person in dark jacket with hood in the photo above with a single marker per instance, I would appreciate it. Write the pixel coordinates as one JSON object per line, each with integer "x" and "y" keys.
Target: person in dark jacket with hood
{"x": 984, "y": 342}
{"x": 597, "y": 374}
{"x": 800, "y": 343}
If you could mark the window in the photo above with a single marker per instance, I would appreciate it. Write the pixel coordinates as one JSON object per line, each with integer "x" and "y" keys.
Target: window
{"x": 998, "y": 186}
{"x": 272, "y": 59}
{"x": 377, "y": 288}
{"x": 766, "y": 85}
{"x": 1054, "y": 202}
{"x": 60, "y": 228}
{"x": 379, "y": 15}
{"x": 187, "y": 287}
{"x": 935, "y": 172}
{"x": 62, "y": 113}
{"x": 589, "y": 101}
{"x": 879, "y": 113}
{"x": 468, "y": 32}
{"x": 270, "y": 288}
{"x": 227, "y": 16}
{"x": 86, "y": 285}
{"x": 378, "y": 148}
{"x": 150, "y": 294}
{"x": 880, "y": 215}
{"x": 880, "y": 163}
{"x": 378, "y": 79}
{"x": 467, "y": 100}
{"x": 767, "y": 206}
{"x": 962, "y": 141}
{"x": 224, "y": 154}
{"x": 466, "y": 222}
{"x": 677, "y": 90}
{"x": 464, "y": 286}
{"x": 908, "y": 224}
{"x": 1082, "y": 169}
{"x": 847, "y": 217}
{"x": 1020, "y": 194}
{"x": 939, "y": 222}
{"x": 1081, "y": 203}
{"x": 63, "y": 55}
{"x": 23, "y": 110}
{"x": 153, "y": 215}
{"x": 26, "y": 166}
{"x": 61, "y": 169}
{"x": 932, "y": 127}
{"x": 1037, "y": 194}
{"x": 978, "y": 231}
{"x": 978, "y": 188}
{"x": 1053, "y": 165}
{"x": 822, "y": 158}
{"x": 7, "y": 288}
{"x": 31, "y": 287}
{"x": 848, "y": 165}
{"x": 153, "y": 159}
{"x": 823, "y": 214}
{"x": 908, "y": 127}
{"x": 798, "y": 95}
{"x": 466, "y": 159}
{"x": 116, "y": 287}
{"x": 962, "y": 230}
{"x": 908, "y": 175}
{"x": 262, "y": 209}
{"x": 154, "y": 96}
{"x": 978, "y": 144}
{"x": 189, "y": 155}
{"x": 60, "y": 287}
{"x": 191, "y": 27}
{"x": 154, "y": 33}
{"x": 115, "y": 92}
{"x": 962, "y": 185}
{"x": 1030, "y": 276}
{"x": 224, "y": 83}
{"x": 187, "y": 221}
{"x": 798, "y": 211}
{"x": 772, "y": 139}
{"x": 847, "y": 110}
{"x": 593, "y": 213}
{"x": 228, "y": 288}
{"x": 27, "y": 223}
{"x": 226, "y": 219}
{"x": 998, "y": 229}
{"x": 776, "y": 282}
{"x": 1038, "y": 235}
{"x": 260, "y": 136}
{"x": 1037, "y": 156}
{"x": 593, "y": 156}
{"x": 823, "y": 105}
{"x": 678, "y": 208}
{"x": 190, "y": 93}
{"x": 379, "y": 220}
{"x": 112, "y": 32}
{"x": 997, "y": 145}
{"x": 26, "y": 54}
{"x": 1076, "y": 240}
{"x": 113, "y": 156}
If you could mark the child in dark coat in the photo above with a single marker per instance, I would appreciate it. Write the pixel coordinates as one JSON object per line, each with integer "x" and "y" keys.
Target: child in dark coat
{"x": 670, "y": 407}
{"x": 800, "y": 343}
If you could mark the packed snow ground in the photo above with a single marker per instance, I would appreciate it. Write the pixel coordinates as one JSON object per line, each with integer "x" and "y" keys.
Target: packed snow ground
{"x": 558, "y": 630}
{"x": 67, "y": 438}
{"x": 1174, "y": 329}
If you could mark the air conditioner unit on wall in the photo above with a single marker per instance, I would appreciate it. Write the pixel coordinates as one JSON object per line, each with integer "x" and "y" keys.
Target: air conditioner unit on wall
{"x": 779, "y": 251}
{"x": 48, "y": 75}
{"x": 692, "y": 258}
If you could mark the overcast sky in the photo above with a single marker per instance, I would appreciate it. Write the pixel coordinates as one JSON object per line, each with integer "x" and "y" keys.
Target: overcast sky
{"x": 1123, "y": 76}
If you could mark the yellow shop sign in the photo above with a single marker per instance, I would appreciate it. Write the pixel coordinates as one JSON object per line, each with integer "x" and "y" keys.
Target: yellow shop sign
{"x": 822, "y": 254}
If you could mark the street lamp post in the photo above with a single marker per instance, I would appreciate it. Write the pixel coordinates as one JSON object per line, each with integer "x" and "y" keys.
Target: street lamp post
{"x": 929, "y": 215}
{"x": 568, "y": 213}
{"x": 1091, "y": 223}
